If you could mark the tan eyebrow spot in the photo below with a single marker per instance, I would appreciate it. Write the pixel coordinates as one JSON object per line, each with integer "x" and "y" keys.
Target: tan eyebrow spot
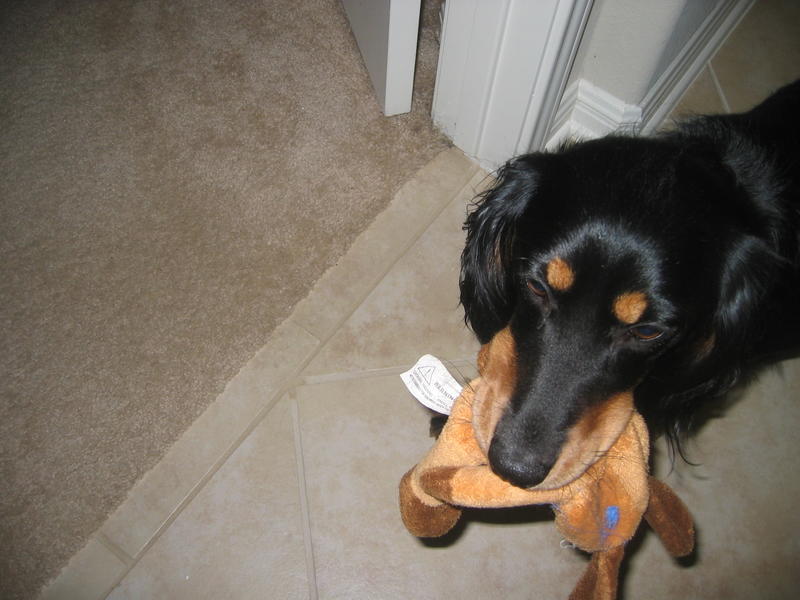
{"x": 630, "y": 307}
{"x": 560, "y": 275}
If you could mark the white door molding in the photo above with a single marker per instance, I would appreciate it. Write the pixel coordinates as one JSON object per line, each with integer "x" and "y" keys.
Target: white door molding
{"x": 503, "y": 66}
{"x": 587, "y": 111}
{"x": 668, "y": 89}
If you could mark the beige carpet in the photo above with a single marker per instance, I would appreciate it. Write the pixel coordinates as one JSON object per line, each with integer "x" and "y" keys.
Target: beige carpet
{"x": 174, "y": 176}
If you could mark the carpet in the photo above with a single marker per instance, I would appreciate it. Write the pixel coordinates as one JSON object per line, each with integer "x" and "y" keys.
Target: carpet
{"x": 174, "y": 177}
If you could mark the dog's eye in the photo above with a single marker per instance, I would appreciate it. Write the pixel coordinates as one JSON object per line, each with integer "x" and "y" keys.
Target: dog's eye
{"x": 537, "y": 288}
{"x": 646, "y": 332}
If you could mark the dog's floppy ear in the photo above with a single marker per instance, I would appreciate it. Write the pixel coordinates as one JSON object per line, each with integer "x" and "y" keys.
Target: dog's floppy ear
{"x": 488, "y": 292}
{"x": 751, "y": 261}
{"x": 750, "y": 270}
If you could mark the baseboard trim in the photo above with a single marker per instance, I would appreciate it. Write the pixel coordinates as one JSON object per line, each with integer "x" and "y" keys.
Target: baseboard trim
{"x": 588, "y": 112}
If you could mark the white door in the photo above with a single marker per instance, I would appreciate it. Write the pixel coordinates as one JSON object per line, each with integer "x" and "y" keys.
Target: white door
{"x": 386, "y": 32}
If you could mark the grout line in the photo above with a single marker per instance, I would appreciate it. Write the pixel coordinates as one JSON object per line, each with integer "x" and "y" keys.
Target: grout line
{"x": 403, "y": 251}
{"x": 287, "y": 385}
{"x": 112, "y": 547}
{"x": 311, "y": 568}
{"x": 304, "y": 328}
{"x": 198, "y": 487}
{"x": 474, "y": 169}
{"x": 718, "y": 87}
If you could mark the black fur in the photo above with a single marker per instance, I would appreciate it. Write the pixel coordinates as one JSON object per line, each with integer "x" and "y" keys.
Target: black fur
{"x": 704, "y": 220}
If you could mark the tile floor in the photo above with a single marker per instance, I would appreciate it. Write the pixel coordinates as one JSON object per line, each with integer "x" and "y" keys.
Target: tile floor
{"x": 286, "y": 486}
{"x": 761, "y": 54}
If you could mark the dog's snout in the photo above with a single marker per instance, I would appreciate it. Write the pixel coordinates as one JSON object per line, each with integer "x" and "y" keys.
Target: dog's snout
{"x": 519, "y": 466}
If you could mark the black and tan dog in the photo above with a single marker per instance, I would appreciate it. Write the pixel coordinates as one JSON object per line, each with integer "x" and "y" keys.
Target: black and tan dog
{"x": 659, "y": 271}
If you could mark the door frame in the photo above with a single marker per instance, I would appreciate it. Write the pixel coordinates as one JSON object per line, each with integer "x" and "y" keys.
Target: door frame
{"x": 503, "y": 67}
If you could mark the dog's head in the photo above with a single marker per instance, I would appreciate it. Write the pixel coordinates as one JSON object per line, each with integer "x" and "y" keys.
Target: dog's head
{"x": 616, "y": 269}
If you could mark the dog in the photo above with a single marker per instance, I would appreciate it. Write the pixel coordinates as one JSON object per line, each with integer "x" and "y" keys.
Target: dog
{"x": 629, "y": 271}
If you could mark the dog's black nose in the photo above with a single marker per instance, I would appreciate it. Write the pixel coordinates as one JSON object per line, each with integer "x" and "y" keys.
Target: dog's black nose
{"x": 519, "y": 467}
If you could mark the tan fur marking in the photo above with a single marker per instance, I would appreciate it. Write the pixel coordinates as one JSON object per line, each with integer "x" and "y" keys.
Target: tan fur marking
{"x": 704, "y": 347}
{"x": 630, "y": 307}
{"x": 497, "y": 362}
{"x": 560, "y": 275}
{"x": 497, "y": 263}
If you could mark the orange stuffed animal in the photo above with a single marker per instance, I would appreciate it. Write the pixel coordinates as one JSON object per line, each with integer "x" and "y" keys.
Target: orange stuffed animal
{"x": 599, "y": 511}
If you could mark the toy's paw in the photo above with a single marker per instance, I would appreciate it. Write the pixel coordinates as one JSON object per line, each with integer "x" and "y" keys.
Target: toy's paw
{"x": 438, "y": 482}
{"x": 422, "y": 519}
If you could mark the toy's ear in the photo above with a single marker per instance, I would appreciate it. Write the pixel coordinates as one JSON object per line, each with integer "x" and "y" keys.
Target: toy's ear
{"x": 488, "y": 291}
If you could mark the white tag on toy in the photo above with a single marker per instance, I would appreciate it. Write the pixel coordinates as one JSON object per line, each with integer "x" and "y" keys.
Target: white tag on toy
{"x": 431, "y": 383}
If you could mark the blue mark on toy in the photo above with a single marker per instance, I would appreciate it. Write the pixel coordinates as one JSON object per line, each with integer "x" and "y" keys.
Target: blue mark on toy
{"x": 612, "y": 517}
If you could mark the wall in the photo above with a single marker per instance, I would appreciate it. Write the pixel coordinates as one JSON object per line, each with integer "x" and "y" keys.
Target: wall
{"x": 629, "y": 43}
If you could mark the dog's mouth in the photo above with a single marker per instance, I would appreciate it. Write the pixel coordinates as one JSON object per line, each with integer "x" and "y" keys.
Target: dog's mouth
{"x": 590, "y": 439}
{"x": 586, "y": 442}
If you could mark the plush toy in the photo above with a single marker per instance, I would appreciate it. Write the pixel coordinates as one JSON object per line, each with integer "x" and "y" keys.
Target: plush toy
{"x": 598, "y": 512}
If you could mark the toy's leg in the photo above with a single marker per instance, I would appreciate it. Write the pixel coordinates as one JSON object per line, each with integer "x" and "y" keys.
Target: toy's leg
{"x": 424, "y": 519}
{"x": 599, "y": 580}
{"x": 670, "y": 519}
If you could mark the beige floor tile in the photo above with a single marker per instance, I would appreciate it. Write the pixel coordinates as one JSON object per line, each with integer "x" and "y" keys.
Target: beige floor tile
{"x": 209, "y": 440}
{"x": 761, "y": 55}
{"x": 743, "y": 497}
{"x": 89, "y": 574}
{"x": 701, "y": 98}
{"x": 241, "y": 536}
{"x": 344, "y": 286}
{"x": 359, "y": 437}
{"x": 415, "y": 308}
